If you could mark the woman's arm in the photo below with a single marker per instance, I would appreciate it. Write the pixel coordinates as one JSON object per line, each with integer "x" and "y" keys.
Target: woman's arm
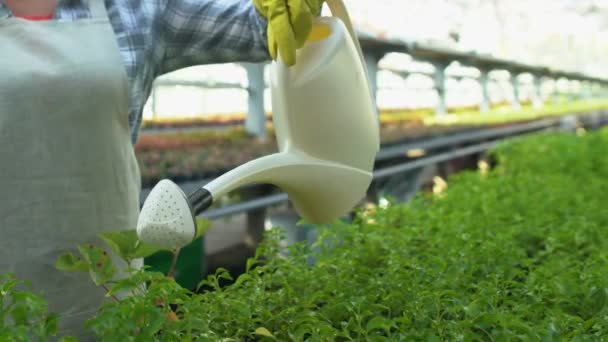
{"x": 195, "y": 32}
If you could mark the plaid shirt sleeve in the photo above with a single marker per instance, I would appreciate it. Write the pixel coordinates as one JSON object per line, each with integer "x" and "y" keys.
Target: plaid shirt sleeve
{"x": 160, "y": 36}
{"x": 196, "y": 32}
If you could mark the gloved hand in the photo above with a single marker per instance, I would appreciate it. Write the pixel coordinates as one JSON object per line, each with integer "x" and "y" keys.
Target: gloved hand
{"x": 289, "y": 24}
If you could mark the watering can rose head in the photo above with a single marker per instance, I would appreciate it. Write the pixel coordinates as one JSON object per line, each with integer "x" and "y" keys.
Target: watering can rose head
{"x": 166, "y": 219}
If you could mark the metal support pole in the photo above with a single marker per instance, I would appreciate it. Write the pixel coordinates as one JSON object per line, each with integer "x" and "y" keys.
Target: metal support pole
{"x": 371, "y": 61}
{"x": 587, "y": 90}
{"x": 538, "y": 92}
{"x": 600, "y": 90}
{"x": 485, "y": 95}
{"x": 515, "y": 84}
{"x": 440, "y": 87}
{"x": 595, "y": 89}
{"x": 255, "y": 219}
{"x": 256, "y": 114}
{"x": 155, "y": 101}
{"x": 405, "y": 186}
{"x": 255, "y": 227}
{"x": 556, "y": 92}
{"x": 572, "y": 95}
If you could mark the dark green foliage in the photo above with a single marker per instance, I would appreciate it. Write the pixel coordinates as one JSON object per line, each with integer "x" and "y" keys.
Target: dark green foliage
{"x": 24, "y": 316}
{"x": 517, "y": 254}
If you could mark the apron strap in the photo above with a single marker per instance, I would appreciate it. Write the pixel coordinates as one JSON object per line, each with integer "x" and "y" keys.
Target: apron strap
{"x": 97, "y": 8}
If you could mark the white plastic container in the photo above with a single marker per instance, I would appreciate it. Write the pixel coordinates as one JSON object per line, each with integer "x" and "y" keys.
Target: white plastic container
{"x": 324, "y": 101}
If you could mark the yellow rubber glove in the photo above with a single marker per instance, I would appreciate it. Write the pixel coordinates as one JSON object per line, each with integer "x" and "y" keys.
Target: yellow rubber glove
{"x": 289, "y": 24}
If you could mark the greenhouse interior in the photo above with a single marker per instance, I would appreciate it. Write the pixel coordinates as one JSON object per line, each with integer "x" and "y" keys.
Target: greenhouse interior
{"x": 304, "y": 170}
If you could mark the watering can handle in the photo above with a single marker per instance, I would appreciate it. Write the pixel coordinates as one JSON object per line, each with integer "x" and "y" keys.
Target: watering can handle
{"x": 338, "y": 10}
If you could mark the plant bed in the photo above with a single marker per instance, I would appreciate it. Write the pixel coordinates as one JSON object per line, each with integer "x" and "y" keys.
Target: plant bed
{"x": 516, "y": 253}
{"x": 239, "y": 118}
{"x": 193, "y": 122}
{"x": 196, "y": 162}
{"x": 205, "y": 154}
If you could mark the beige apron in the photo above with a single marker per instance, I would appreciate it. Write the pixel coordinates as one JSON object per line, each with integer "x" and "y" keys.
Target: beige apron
{"x": 67, "y": 165}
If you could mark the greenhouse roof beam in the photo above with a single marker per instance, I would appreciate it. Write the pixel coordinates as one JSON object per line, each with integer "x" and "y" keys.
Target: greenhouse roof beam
{"x": 434, "y": 54}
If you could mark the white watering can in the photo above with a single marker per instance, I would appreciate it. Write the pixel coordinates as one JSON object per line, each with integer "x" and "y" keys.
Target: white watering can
{"x": 327, "y": 132}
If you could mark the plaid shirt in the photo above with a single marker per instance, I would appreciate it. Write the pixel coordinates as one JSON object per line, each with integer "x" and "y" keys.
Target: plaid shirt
{"x": 159, "y": 36}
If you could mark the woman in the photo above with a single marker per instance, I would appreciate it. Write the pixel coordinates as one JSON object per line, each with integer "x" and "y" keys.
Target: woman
{"x": 74, "y": 76}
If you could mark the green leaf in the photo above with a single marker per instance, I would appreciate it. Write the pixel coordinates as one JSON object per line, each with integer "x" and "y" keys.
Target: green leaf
{"x": 144, "y": 250}
{"x": 433, "y": 338}
{"x": 68, "y": 339}
{"x": 21, "y": 314}
{"x": 126, "y": 244}
{"x": 8, "y": 286}
{"x": 378, "y": 322}
{"x": 243, "y": 278}
{"x": 101, "y": 268}
{"x": 552, "y": 334}
{"x": 137, "y": 280}
{"x": 598, "y": 299}
{"x": 202, "y": 227}
{"x": 222, "y": 273}
{"x": 122, "y": 242}
{"x": 69, "y": 262}
{"x": 51, "y": 324}
{"x": 251, "y": 263}
{"x": 263, "y": 332}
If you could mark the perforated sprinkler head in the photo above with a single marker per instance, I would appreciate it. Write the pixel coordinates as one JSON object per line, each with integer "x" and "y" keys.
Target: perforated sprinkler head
{"x": 166, "y": 219}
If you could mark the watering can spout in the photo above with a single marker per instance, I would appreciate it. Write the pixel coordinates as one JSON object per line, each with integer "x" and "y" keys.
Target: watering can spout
{"x": 315, "y": 187}
{"x": 321, "y": 191}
